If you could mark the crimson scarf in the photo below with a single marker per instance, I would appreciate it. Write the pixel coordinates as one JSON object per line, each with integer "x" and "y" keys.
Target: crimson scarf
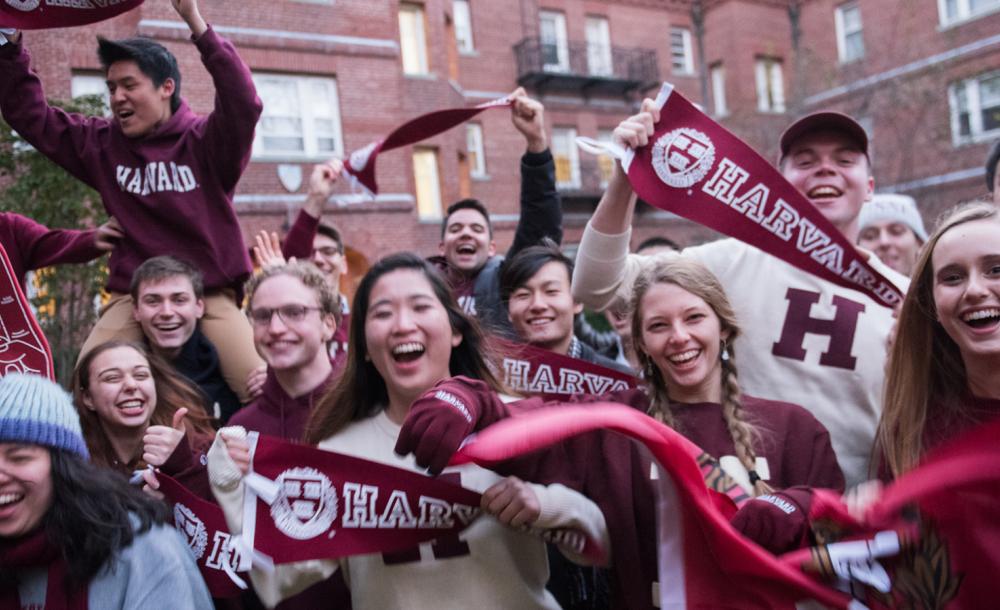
{"x": 34, "y": 551}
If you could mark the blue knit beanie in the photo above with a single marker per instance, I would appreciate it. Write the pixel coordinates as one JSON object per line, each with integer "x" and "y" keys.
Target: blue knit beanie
{"x": 37, "y": 411}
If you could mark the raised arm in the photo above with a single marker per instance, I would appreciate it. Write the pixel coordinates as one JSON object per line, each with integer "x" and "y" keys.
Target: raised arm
{"x": 298, "y": 242}
{"x": 541, "y": 208}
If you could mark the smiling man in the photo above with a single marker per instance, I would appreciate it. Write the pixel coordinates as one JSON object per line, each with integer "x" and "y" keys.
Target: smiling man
{"x": 169, "y": 296}
{"x": 467, "y": 249}
{"x": 892, "y": 228}
{"x": 166, "y": 174}
{"x": 808, "y": 341}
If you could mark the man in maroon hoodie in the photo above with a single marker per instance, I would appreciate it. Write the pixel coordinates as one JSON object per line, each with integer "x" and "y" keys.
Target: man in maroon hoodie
{"x": 167, "y": 174}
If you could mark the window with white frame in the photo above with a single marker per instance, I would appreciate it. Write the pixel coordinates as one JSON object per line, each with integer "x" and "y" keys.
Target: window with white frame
{"x": 770, "y": 85}
{"x": 605, "y": 164}
{"x": 850, "y": 40}
{"x": 681, "y": 56}
{"x": 952, "y": 11}
{"x": 718, "y": 79}
{"x": 566, "y": 157}
{"x": 555, "y": 47}
{"x": 975, "y": 108}
{"x": 301, "y": 117}
{"x": 412, "y": 40}
{"x": 474, "y": 148}
{"x": 598, "y": 46}
{"x": 427, "y": 183}
{"x": 462, "y": 18}
{"x": 91, "y": 83}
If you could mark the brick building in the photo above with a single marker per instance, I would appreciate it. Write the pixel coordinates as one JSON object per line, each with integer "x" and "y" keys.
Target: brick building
{"x": 922, "y": 75}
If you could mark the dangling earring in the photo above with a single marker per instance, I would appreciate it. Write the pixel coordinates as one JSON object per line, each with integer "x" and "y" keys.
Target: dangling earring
{"x": 648, "y": 371}
{"x": 725, "y": 351}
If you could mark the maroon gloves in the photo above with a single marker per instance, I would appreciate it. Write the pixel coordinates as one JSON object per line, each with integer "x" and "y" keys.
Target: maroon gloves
{"x": 440, "y": 420}
{"x": 777, "y": 521}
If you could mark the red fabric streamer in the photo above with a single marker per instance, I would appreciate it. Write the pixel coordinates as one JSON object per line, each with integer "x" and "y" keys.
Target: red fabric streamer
{"x": 695, "y": 168}
{"x": 361, "y": 163}
{"x": 541, "y": 372}
{"x": 46, "y": 14}
{"x": 23, "y": 347}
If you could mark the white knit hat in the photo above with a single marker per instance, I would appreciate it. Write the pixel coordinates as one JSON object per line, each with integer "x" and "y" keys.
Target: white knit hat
{"x": 892, "y": 207}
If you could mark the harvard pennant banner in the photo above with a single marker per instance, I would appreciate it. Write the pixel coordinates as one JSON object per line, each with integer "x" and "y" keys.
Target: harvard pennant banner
{"x": 705, "y": 561}
{"x": 45, "y": 14}
{"x": 695, "y": 168}
{"x": 540, "y": 372}
{"x": 931, "y": 541}
{"x": 306, "y": 503}
{"x": 204, "y": 527}
{"x": 23, "y": 347}
{"x": 360, "y": 166}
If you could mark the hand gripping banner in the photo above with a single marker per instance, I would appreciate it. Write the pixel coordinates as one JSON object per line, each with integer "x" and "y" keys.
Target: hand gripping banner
{"x": 306, "y": 503}
{"x": 541, "y": 372}
{"x": 360, "y": 165}
{"x": 23, "y": 347}
{"x": 694, "y": 168}
{"x": 45, "y": 14}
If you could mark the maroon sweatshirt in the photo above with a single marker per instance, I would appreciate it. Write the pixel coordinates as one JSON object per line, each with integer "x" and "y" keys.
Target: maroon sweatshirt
{"x": 618, "y": 469}
{"x": 277, "y": 414}
{"x": 172, "y": 191}
{"x": 30, "y": 245}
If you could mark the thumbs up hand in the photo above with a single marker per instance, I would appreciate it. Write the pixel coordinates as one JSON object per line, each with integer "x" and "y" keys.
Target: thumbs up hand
{"x": 160, "y": 441}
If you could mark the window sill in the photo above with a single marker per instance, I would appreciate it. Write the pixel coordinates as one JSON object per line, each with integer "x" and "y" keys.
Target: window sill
{"x": 984, "y": 137}
{"x": 469, "y": 53}
{"x": 942, "y": 27}
{"x": 480, "y": 177}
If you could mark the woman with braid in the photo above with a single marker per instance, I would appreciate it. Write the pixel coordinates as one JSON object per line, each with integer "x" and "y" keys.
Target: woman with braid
{"x": 684, "y": 326}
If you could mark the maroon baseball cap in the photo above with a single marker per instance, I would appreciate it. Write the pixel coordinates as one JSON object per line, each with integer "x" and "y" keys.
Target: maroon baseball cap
{"x": 824, "y": 121}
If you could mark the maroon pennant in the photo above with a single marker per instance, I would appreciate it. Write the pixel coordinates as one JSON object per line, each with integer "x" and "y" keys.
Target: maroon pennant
{"x": 23, "y": 347}
{"x": 361, "y": 163}
{"x": 695, "y": 168}
{"x": 203, "y": 526}
{"x": 46, "y": 14}
{"x": 328, "y": 505}
{"x": 540, "y": 372}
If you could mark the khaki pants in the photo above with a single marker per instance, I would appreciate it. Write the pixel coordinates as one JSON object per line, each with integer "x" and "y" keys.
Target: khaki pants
{"x": 223, "y": 323}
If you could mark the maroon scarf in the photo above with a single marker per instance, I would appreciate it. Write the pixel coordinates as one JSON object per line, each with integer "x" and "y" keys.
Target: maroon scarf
{"x": 34, "y": 551}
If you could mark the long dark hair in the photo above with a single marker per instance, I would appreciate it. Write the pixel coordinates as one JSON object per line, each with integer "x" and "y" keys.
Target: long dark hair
{"x": 172, "y": 392}
{"x": 92, "y": 512}
{"x": 361, "y": 392}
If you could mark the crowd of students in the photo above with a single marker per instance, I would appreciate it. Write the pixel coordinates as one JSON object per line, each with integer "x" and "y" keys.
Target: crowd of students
{"x": 789, "y": 381}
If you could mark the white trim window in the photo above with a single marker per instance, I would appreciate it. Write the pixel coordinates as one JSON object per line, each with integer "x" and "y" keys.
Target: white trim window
{"x": 956, "y": 11}
{"x": 427, "y": 183}
{"x": 412, "y": 39}
{"x": 566, "y": 157}
{"x": 681, "y": 55}
{"x": 555, "y": 46}
{"x": 598, "y": 46}
{"x": 462, "y": 18}
{"x": 301, "y": 118}
{"x": 474, "y": 148}
{"x": 717, "y": 76}
{"x": 770, "y": 85}
{"x": 975, "y": 108}
{"x": 91, "y": 83}
{"x": 850, "y": 38}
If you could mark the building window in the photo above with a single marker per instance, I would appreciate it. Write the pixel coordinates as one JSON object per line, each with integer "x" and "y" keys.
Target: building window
{"x": 566, "y": 157}
{"x": 975, "y": 108}
{"x": 474, "y": 147}
{"x": 718, "y": 78}
{"x": 555, "y": 48}
{"x": 605, "y": 164}
{"x": 91, "y": 83}
{"x": 598, "y": 46}
{"x": 463, "y": 26}
{"x": 952, "y": 11}
{"x": 412, "y": 42}
{"x": 681, "y": 57}
{"x": 770, "y": 85}
{"x": 301, "y": 117}
{"x": 428, "y": 185}
{"x": 850, "y": 41}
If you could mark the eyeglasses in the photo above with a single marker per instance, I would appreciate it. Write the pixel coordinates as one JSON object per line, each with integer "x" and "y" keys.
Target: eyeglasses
{"x": 289, "y": 314}
{"x": 327, "y": 251}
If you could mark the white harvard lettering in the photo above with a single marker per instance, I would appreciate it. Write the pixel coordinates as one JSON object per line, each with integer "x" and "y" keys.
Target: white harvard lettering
{"x": 156, "y": 177}
{"x": 360, "y": 510}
